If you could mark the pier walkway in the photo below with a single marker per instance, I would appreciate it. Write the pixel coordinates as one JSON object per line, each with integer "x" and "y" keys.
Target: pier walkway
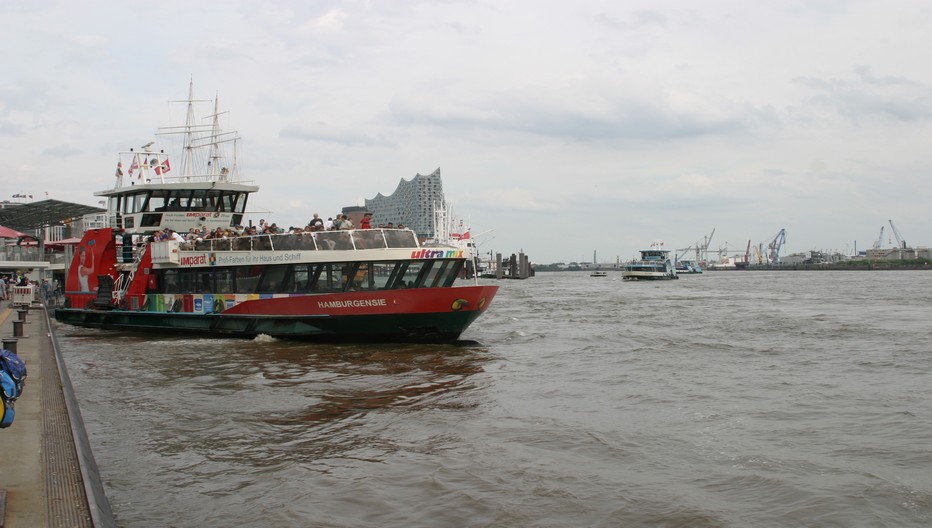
{"x": 48, "y": 477}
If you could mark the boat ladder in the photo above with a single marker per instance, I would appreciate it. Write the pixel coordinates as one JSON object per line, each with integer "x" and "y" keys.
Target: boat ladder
{"x": 121, "y": 286}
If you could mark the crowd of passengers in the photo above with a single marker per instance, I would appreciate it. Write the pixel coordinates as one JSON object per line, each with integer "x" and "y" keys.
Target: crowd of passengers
{"x": 340, "y": 222}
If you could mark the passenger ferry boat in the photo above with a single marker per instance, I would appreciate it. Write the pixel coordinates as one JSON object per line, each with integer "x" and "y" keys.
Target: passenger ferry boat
{"x": 654, "y": 264}
{"x": 348, "y": 285}
{"x": 688, "y": 267}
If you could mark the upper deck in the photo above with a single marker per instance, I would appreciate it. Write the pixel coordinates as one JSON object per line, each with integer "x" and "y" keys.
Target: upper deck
{"x": 322, "y": 246}
{"x": 655, "y": 254}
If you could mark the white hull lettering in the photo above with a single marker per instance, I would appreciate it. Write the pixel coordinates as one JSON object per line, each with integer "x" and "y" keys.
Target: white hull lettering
{"x": 356, "y": 303}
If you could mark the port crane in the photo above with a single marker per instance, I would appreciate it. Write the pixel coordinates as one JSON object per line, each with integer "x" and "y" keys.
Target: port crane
{"x": 774, "y": 247}
{"x": 900, "y": 242}
{"x": 701, "y": 249}
{"x": 879, "y": 241}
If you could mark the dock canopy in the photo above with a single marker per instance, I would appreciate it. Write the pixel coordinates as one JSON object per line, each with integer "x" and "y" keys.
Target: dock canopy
{"x": 43, "y": 213}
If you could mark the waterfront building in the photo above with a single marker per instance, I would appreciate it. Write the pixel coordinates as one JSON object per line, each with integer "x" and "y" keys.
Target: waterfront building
{"x": 413, "y": 204}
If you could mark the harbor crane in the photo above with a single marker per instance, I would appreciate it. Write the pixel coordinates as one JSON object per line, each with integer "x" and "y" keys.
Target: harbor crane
{"x": 701, "y": 249}
{"x": 900, "y": 242}
{"x": 879, "y": 241}
{"x": 774, "y": 247}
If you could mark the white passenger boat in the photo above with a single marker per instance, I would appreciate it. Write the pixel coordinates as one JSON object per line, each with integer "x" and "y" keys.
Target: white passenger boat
{"x": 654, "y": 264}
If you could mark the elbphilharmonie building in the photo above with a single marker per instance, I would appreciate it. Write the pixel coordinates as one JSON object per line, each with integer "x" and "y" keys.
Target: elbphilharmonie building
{"x": 413, "y": 204}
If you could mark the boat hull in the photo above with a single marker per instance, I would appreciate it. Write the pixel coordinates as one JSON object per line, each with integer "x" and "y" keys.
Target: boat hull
{"x": 648, "y": 275}
{"x": 437, "y": 315}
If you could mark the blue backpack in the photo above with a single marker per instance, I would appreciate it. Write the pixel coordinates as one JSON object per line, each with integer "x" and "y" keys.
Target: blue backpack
{"x": 12, "y": 381}
{"x": 6, "y": 405}
{"x": 15, "y": 367}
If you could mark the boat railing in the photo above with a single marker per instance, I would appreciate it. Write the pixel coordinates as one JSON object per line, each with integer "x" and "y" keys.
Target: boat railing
{"x": 317, "y": 241}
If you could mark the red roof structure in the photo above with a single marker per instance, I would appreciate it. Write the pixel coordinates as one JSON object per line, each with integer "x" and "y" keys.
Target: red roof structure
{"x": 6, "y": 232}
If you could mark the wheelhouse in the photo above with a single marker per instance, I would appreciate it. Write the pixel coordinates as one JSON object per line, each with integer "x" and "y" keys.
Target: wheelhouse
{"x": 149, "y": 207}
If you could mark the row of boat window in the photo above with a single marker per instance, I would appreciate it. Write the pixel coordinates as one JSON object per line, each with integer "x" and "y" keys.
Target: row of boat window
{"x": 309, "y": 278}
{"x": 180, "y": 200}
{"x": 320, "y": 240}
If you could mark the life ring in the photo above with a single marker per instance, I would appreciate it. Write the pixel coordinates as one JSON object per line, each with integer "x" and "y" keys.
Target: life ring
{"x": 218, "y": 305}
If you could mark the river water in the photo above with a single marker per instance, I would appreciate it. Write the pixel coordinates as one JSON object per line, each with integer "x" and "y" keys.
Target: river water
{"x": 730, "y": 399}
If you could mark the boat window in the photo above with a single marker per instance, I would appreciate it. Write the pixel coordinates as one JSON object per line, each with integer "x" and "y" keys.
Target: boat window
{"x": 304, "y": 241}
{"x": 186, "y": 281}
{"x": 180, "y": 200}
{"x": 314, "y": 278}
{"x": 141, "y": 200}
{"x": 396, "y": 276}
{"x": 247, "y": 278}
{"x": 225, "y": 201}
{"x": 436, "y": 273}
{"x": 204, "y": 282}
{"x": 348, "y": 278}
{"x": 368, "y": 239}
{"x": 170, "y": 283}
{"x": 296, "y": 280}
{"x": 132, "y": 203}
{"x": 272, "y": 279}
{"x": 224, "y": 280}
{"x": 332, "y": 277}
{"x": 400, "y": 238}
{"x": 157, "y": 201}
{"x": 198, "y": 201}
{"x": 381, "y": 274}
{"x": 414, "y": 274}
{"x": 334, "y": 240}
{"x": 372, "y": 275}
{"x": 240, "y": 199}
{"x": 212, "y": 201}
{"x": 453, "y": 271}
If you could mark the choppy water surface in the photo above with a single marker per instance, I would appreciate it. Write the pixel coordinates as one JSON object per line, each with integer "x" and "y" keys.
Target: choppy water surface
{"x": 729, "y": 399}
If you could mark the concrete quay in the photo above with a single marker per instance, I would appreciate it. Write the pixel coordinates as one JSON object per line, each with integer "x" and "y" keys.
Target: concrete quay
{"x": 48, "y": 477}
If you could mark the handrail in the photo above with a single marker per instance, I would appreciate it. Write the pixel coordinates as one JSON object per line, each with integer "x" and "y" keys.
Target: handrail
{"x": 346, "y": 240}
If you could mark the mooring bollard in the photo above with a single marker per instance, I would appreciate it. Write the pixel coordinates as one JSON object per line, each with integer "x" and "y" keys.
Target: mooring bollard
{"x": 22, "y": 315}
{"x": 9, "y": 343}
{"x": 18, "y": 329}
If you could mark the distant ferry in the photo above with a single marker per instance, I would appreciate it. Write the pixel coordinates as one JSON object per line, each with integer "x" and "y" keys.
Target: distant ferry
{"x": 688, "y": 267}
{"x": 654, "y": 264}
{"x": 346, "y": 285}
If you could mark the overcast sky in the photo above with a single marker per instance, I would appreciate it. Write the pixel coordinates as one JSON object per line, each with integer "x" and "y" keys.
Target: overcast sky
{"x": 560, "y": 128}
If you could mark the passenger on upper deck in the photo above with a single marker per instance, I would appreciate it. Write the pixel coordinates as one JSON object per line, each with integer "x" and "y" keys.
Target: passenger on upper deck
{"x": 316, "y": 223}
{"x": 366, "y": 222}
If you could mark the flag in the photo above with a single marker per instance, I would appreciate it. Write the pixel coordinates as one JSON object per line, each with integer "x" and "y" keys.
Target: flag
{"x": 119, "y": 171}
{"x": 133, "y": 167}
{"x": 163, "y": 168}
